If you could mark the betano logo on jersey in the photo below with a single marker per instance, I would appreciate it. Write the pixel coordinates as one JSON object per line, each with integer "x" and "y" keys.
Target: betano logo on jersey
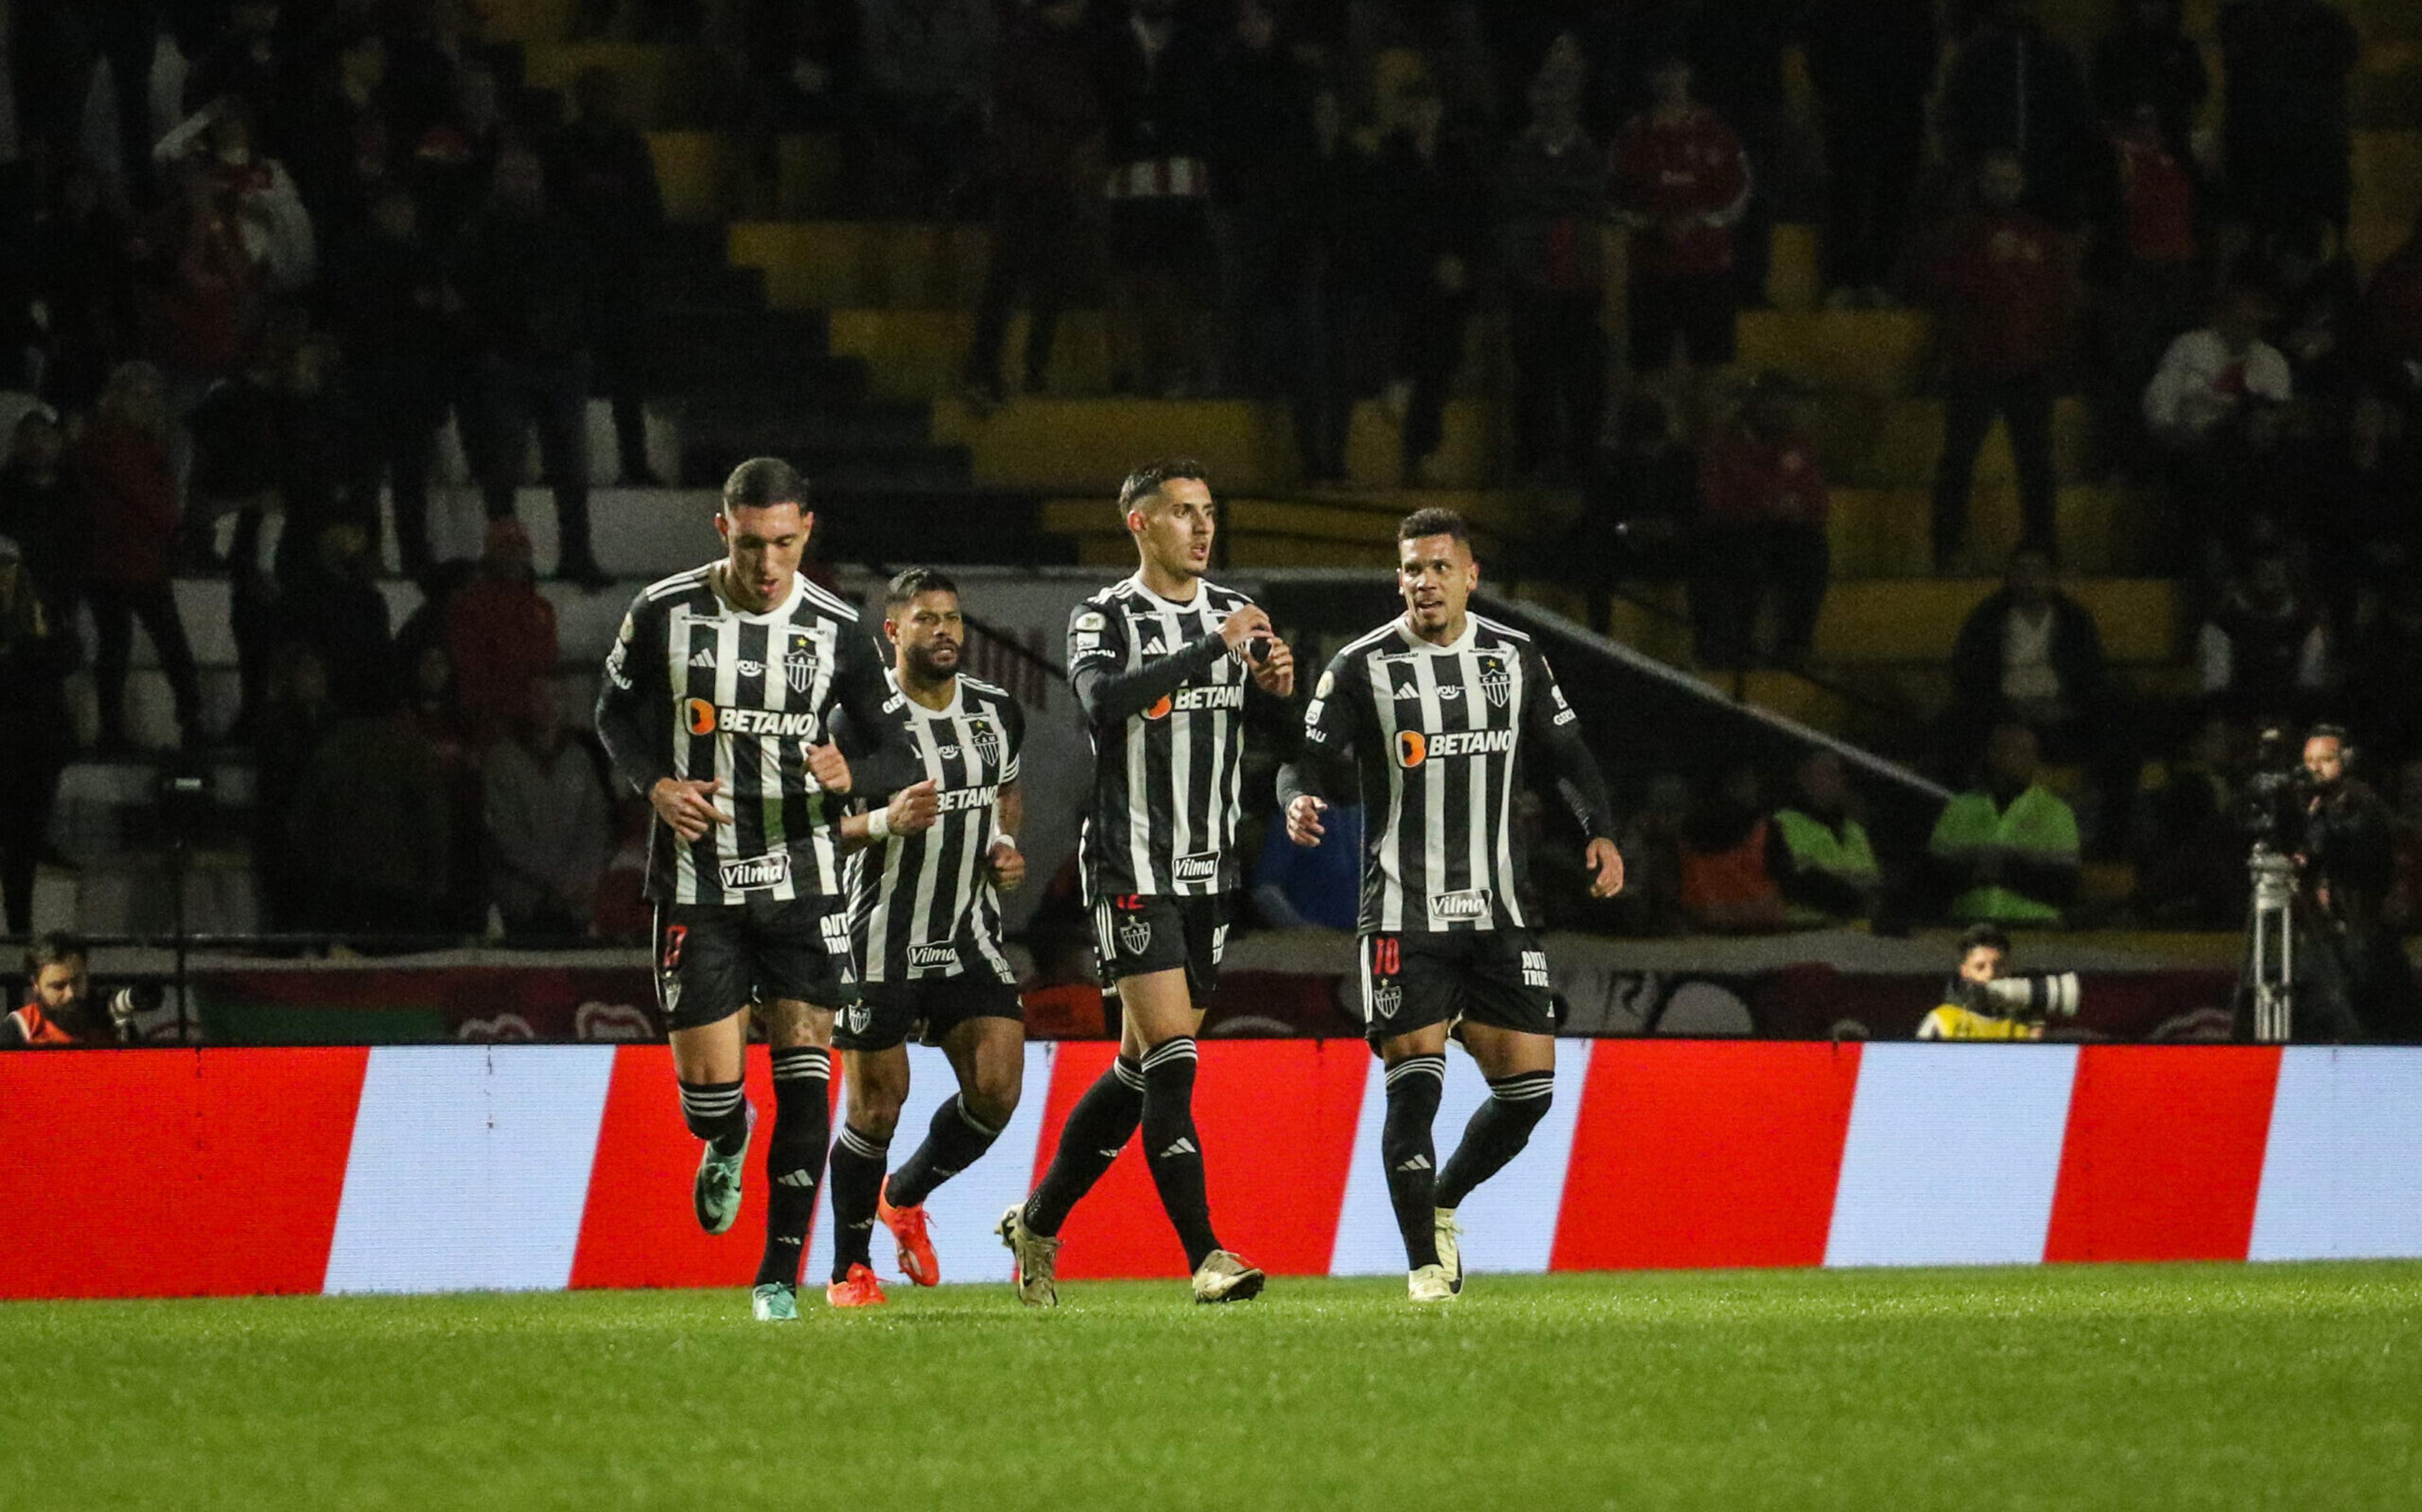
{"x": 1210, "y": 695}
{"x": 959, "y": 798}
{"x": 706, "y": 718}
{"x": 1413, "y": 747}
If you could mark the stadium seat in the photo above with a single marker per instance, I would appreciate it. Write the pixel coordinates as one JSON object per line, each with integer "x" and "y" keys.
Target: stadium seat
{"x": 1886, "y": 619}
{"x": 668, "y": 85}
{"x": 887, "y": 265}
{"x": 1886, "y": 533}
{"x": 1845, "y": 352}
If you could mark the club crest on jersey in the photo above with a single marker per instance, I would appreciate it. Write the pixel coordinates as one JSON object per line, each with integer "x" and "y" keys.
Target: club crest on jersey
{"x": 927, "y": 958}
{"x": 1202, "y": 867}
{"x": 755, "y": 873}
{"x": 1135, "y": 935}
{"x": 986, "y": 738}
{"x": 1456, "y": 908}
{"x": 800, "y": 671}
{"x": 1496, "y": 682}
{"x": 1386, "y": 998}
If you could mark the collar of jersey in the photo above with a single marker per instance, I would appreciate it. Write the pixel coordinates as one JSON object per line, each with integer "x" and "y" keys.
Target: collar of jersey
{"x": 953, "y": 709}
{"x": 1201, "y": 586}
{"x": 1461, "y": 643}
{"x": 771, "y": 616}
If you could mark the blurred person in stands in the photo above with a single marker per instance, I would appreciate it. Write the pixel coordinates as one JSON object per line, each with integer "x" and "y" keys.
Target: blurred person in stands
{"x": 1045, "y": 118}
{"x": 2007, "y": 850}
{"x": 2012, "y": 87}
{"x": 36, "y": 654}
{"x": 2359, "y": 983}
{"x": 2202, "y": 403}
{"x": 1154, "y": 72}
{"x": 41, "y": 513}
{"x": 2392, "y": 326}
{"x": 54, "y": 47}
{"x": 199, "y": 297}
{"x": 119, "y": 470}
{"x": 368, "y": 829}
{"x": 294, "y": 717}
{"x": 250, "y": 59}
{"x": 256, "y": 195}
{"x": 386, "y": 296}
{"x": 2384, "y": 681}
{"x": 2286, "y": 134}
{"x": 1763, "y": 508}
{"x": 602, "y": 173}
{"x": 2002, "y": 281}
{"x": 347, "y": 144}
{"x": 331, "y": 601}
{"x": 1728, "y": 881}
{"x": 1651, "y": 843}
{"x": 2148, "y": 273}
{"x": 1819, "y": 853}
{"x": 455, "y": 160}
{"x": 1334, "y": 259}
{"x": 2316, "y": 299}
{"x": 60, "y": 1011}
{"x": 522, "y": 276}
{"x": 2191, "y": 858}
{"x": 925, "y": 72}
{"x": 547, "y": 827}
{"x": 1260, "y": 126}
{"x": 1428, "y": 201}
{"x": 501, "y": 631}
{"x": 82, "y": 270}
{"x": 1681, "y": 183}
{"x": 1871, "y": 63}
{"x": 2148, "y": 61}
{"x": 430, "y": 703}
{"x": 2404, "y": 910}
{"x": 2264, "y": 652}
{"x": 1551, "y": 188}
{"x": 1640, "y": 511}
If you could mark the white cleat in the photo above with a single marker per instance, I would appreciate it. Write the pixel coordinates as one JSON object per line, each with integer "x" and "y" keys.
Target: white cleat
{"x": 1450, "y": 1249}
{"x": 1429, "y": 1284}
{"x": 773, "y": 1302}
{"x": 1226, "y": 1276}
{"x": 1036, "y": 1255}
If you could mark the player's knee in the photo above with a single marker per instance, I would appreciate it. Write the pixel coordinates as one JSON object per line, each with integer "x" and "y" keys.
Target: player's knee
{"x": 991, "y": 1097}
{"x": 1525, "y": 1097}
{"x": 876, "y": 1114}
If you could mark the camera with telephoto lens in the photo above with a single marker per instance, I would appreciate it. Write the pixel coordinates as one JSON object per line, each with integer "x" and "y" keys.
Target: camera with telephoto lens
{"x": 2276, "y": 791}
{"x": 2033, "y": 997}
{"x": 127, "y": 1003}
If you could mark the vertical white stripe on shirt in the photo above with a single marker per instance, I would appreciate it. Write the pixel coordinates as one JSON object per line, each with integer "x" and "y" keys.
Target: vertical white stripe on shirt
{"x": 1433, "y": 792}
{"x": 1138, "y": 776}
{"x": 1506, "y": 880}
{"x": 1392, "y": 863}
{"x": 727, "y": 693}
{"x": 677, "y": 674}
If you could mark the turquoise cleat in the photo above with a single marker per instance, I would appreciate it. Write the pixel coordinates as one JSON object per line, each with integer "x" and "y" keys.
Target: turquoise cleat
{"x": 716, "y": 1194}
{"x": 773, "y": 1302}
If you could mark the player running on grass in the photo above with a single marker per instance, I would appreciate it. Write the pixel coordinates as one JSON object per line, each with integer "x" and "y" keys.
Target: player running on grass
{"x": 924, "y": 924}
{"x": 717, "y": 706}
{"x": 1431, "y": 718}
{"x": 1159, "y": 664}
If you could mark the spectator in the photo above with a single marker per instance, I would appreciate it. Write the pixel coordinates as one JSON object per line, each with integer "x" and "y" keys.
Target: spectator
{"x": 1651, "y": 842}
{"x": 249, "y": 62}
{"x": 1728, "y": 886}
{"x": 2199, "y": 405}
{"x": 1261, "y": 124}
{"x": 1045, "y": 116}
{"x": 1736, "y": 49}
{"x": 2011, "y": 87}
{"x": 387, "y": 300}
{"x": 502, "y": 634}
{"x": 332, "y": 603}
{"x": 1552, "y": 199}
{"x": 294, "y": 717}
{"x": 368, "y": 829}
{"x": 1871, "y": 63}
{"x": 2286, "y": 134}
{"x": 454, "y": 161}
{"x": 2317, "y": 299}
{"x": 2393, "y": 324}
{"x": 1640, "y": 511}
{"x": 2001, "y": 280}
{"x": 547, "y": 827}
{"x": 2148, "y": 59}
{"x": 1681, "y": 183}
{"x": 605, "y": 178}
{"x": 2030, "y": 654}
{"x": 926, "y": 72}
{"x": 2190, "y": 863}
{"x": 119, "y": 470}
{"x": 35, "y": 653}
{"x": 430, "y": 702}
{"x": 2264, "y": 653}
{"x": 2383, "y": 672}
{"x": 1819, "y": 851}
{"x": 1763, "y": 510}
{"x": 59, "y": 1009}
{"x": 523, "y": 275}
{"x": 2005, "y": 853}
{"x": 1428, "y": 219}
{"x": 2149, "y": 270}
{"x": 348, "y": 145}
{"x": 1156, "y": 75}
{"x": 1332, "y": 260}
{"x": 54, "y": 46}
{"x": 83, "y": 274}
{"x": 40, "y": 511}
{"x": 258, "y": 198}
{"x": 198, "y": 291}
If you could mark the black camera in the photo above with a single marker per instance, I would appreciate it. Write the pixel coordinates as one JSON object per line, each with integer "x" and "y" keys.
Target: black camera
{"x": 2272, "y": 806}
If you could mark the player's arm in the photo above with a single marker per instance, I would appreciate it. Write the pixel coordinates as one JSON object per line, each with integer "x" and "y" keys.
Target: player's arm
{"x": 1097, "y": 648}
{"x": 632, "y": 725}
{"x": 1323, "y": 766}
{"x": 1007, "y": 863}
{"x": 906, "y": 812}
{"x": 1554, "y": 732}
{"x": 860, "y": 692}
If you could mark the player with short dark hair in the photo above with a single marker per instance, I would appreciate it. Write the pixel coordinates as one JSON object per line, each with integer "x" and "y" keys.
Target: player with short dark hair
{"x": 924, "y": 925}
{"x": 717, "y": 706}
{"x": 1432, "y": 718}
{"x": 1159, "y": 663}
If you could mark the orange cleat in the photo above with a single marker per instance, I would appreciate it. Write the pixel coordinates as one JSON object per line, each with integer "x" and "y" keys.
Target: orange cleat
{"x": 907, "y": 1225}
{"x": 857, "y": 1289}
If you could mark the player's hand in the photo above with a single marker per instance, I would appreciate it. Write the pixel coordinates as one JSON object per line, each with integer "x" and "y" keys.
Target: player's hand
{"x": 1606, "y": 868}
{"x": 1275, "y": 672}
{"x": 687, "y": 807}
{"x": 1008, "y": 865}
{"x": 1247, "y": 622}
{"x": 1303, "y": 821}
{"x": 913, "y": 808}
{"x": 829, "y": 768}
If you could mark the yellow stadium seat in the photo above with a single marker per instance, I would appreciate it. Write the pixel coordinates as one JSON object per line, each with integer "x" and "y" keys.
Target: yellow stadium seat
{"x": 892, "y": 266}
{"x": 1916, "y": 619}
{"x": 528, "y": 21}
{"x": 694, "y": 172}
{"x": 1854, "y": 351}
{"x": 1895, "y": 443}
{"x": 2388, "y": 175}
{"x": 1797, "y": 698}
{"x": 1793, "y": 281}
{"x": 920, "y": 354}
{"x": 1882, "y": 533}
{"x": 666, "y": 85}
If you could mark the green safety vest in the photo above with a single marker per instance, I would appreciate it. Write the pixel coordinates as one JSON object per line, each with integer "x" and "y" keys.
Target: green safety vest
{"x": 2036, "y": 820}
{"x": 1814, "y": 847}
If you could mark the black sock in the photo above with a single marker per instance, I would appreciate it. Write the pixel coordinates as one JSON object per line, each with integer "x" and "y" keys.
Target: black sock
{"x": 1098, "y": 1129}
{"x": 794, "y": 1158}
{"x": 857, "y": 1163}
{"x": 1173, "y": 1149}
{"x": 716, "y": 1112}
{"x": 1496, "y": 1133}
{"x": 1413, "y": 1087}
{"x": 953, "y": 1142}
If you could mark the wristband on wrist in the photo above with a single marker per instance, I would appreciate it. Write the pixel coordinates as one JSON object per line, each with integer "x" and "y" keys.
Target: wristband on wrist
{"x": 878, "y": 824}
{"x": 1004, "y": 837}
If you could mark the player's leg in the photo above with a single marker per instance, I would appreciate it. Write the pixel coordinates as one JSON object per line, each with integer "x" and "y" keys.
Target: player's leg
{"x": 800, "y": 1036}
{"x": 1521, "y": 1065}
{"x": 1407, "y": 1002}
{"x": 704, "y": 997}
{"x": 876, "y": 1081}
{"x": 987, "y": 1053}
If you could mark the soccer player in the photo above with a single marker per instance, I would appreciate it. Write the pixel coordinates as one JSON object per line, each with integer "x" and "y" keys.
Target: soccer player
{"x": 924, "y": 928}
{"x": 1159, "y": 663}
{"x": 717, "y": 706}
{"x": 1439, "y": 711}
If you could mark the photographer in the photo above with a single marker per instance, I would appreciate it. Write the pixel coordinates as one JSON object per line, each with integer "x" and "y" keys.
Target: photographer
{"x": 59, "y": 1010}
{"x": 2353, "y": 980}
{"x": 1983, "y": 1001}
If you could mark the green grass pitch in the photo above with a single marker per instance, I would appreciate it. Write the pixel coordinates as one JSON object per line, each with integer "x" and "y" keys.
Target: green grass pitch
{"x": 2187, "y": 1386}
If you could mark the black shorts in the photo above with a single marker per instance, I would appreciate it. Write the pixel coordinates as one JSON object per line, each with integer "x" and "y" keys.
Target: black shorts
{"x": 1700, "y": 307}
{"x": 888, "y": 1014}
{"x": 1138, "y": 934}
{"x": 1492, "y": 976}
{"x": 714, "y": 960}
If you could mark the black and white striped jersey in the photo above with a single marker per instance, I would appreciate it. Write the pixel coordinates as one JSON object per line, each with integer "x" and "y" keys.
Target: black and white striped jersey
{"x": 923, "y": 905}
{"x": 1164, "y": 701}
{"x": 697, "y": 689}
{"x": 1438, "y": 736}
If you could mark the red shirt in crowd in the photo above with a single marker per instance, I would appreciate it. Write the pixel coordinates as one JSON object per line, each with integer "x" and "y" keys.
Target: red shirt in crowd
{"x": 1688, "y": 182}
{"x": 2000, "y": 283}
{"x": 37, "y": 1030}
{"x": 2156, "y": 199}
{"x": 1746, "y": 479}
{"x": 127, "y": 487}
{"x": 503, "y": 638}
